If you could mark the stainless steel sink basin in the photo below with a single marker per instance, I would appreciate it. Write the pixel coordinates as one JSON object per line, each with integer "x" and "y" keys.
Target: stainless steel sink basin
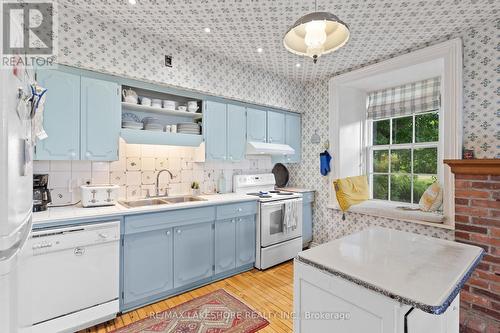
{"x": 175, "y": 200}
{"x": 159, "y": 201}
{"x": 144, "y": 202}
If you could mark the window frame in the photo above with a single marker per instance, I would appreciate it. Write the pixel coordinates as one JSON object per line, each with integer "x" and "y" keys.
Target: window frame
{"x": 370, "y": 148}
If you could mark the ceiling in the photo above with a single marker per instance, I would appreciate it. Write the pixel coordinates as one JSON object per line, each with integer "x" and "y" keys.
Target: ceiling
{"x": 379, "y": 28}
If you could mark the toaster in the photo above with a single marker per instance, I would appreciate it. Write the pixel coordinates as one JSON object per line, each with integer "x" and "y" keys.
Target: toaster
{"x": 99, "y": 195}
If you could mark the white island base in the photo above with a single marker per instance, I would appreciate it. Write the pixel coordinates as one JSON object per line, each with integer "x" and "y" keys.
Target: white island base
{"x": 325, "y": 303}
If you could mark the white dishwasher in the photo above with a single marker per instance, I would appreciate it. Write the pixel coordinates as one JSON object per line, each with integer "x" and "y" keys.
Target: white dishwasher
{"x": 69, "y": 278}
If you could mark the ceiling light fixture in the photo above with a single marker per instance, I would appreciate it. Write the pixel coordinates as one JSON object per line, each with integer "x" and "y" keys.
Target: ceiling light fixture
{"x": 207, "y": 30}
{"x": 132, "y": 2}
{"x": 316, "y": 34}
{"x": 260, "y": 50}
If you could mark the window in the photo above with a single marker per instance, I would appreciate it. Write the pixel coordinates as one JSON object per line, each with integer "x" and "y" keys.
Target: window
{"x": 404, "y": 155}
{"x": 403, "y": 140}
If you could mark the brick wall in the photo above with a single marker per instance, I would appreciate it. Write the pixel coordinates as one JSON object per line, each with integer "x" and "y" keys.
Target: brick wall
{"x": 477, "y": 222}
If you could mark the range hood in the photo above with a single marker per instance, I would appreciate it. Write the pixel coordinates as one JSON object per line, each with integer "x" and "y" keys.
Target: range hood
{"x": 263, "y": 148}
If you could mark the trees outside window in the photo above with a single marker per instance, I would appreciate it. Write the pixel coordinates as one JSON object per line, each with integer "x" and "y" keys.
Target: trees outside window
{"x": 404, "y": 154}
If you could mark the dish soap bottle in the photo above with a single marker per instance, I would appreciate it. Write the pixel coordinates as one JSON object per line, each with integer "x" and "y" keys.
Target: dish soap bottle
{"x": 222, "y": 183}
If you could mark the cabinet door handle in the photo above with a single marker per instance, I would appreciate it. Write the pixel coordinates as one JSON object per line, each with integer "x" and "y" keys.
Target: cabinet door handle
{"x": 168, "y": 232}
{"x": 88, "y": 155}
{"x": 179, "y": 231}
{"x": 232, "y": 221}
{"x": 240, "y": 209}
{"x": 270, "y": 140}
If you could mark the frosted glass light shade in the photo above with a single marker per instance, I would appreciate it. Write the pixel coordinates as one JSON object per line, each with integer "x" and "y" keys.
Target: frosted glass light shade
{"x": 316, "y": 34}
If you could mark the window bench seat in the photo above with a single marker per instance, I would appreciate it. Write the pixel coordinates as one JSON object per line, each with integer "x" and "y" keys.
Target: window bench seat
{"x": 390, "y": 210}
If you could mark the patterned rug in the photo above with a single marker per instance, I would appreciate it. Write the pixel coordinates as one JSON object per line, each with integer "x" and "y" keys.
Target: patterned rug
{"x": 216, "y": 312}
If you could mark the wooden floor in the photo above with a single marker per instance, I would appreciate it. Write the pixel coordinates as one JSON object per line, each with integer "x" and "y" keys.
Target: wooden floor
{"x": 269, "y": 292}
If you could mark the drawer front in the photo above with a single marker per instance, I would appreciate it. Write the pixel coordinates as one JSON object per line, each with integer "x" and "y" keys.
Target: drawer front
{"x": 234, "y": 210}
{"x": 161, "y": 220}
{"x": 307, "y": 197}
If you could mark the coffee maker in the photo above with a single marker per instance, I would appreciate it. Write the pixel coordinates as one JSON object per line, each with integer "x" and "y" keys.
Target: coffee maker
{"x": 41, "y": 194}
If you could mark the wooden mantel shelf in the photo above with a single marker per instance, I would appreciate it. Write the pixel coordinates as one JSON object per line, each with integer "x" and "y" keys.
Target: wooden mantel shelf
{"x": 475, "y": 166}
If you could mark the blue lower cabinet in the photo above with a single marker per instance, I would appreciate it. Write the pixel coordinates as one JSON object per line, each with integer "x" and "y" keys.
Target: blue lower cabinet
{"x": 225, "y": 245}
{"x": 245, "y": 240}
{"x": 193, "y": 253}
{"x": 148, "y": 265}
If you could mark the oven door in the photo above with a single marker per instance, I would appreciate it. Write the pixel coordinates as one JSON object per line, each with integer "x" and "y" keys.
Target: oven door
{"x": 272, "y": 215}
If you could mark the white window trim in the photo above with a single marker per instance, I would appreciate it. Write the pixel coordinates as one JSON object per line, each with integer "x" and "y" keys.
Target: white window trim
{"x": 448, "y": 56}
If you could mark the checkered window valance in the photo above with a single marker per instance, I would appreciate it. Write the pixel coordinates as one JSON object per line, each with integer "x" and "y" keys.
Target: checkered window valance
{"x": 415, "y": 97}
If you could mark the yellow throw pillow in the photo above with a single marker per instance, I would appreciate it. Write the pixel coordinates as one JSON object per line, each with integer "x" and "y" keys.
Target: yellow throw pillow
{"x": 351, "y": 191}
{"x": 432, "y": 198}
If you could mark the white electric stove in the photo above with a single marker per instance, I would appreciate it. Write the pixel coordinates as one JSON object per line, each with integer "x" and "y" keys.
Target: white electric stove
{"x": 279, "y": 219}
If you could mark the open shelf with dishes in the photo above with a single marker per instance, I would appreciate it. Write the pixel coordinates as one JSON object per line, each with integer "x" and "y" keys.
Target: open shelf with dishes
{"x": 153, "y": 117}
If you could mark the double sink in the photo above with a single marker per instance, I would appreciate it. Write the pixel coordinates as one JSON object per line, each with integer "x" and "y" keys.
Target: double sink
{"x": 159, "y": 201}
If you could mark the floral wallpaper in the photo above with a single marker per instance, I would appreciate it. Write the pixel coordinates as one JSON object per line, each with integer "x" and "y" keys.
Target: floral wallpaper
{"x": 238, "y": 27}
{"x": 88, "y": 42}
{"x": 481, "y": 74}
{"x": 481, "y": 133}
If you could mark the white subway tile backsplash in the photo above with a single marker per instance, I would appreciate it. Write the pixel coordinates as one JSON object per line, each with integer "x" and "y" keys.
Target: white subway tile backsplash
{"x": 81, "y": 166}
{"x": 134, "y": 192}
{"x": 133, "y": 150}
{"x": 59, "y": 179}
{"x": 136, "y": 170}
{"x": 81, "y": 178}
{"x": 100, "y": 177}
{"x": 100, "y": 166}
{"x": 133, "y": 163}
{"x": 120, "y": 165}
{"x": 148, "y": 163}
{"x": 148, "y": 177}
{"x": 60, "y": 165}
{"x": 186, "y": 176}
{"x": 161, "y": 163}
{"x": 118, "y": 178}
{"x": 134, "y": 178}
{"x": 174, "y": 163}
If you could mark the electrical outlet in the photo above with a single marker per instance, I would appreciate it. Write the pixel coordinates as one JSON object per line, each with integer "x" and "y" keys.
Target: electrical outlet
{"x": 168, "y": 60}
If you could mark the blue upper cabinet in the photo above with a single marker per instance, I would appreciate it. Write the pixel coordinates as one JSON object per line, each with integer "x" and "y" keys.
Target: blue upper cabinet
{"x": 256, "y": 125}
{"x": 275, "y": 127}
{"x": 61, "y": 116}
{"x": 215, "y": 129}
{"x": 100, "y": 119}
{"x": 236, "y": 132}
{"x": 293, "y": 136}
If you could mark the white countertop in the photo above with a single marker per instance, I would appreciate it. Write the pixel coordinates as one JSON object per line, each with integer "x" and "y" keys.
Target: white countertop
{"x": 77, "y": 212}
{"x": 422, "y": 270}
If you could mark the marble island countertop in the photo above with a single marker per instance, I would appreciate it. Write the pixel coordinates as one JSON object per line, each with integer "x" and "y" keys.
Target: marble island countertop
{"x": 56, "y": 215}
{"x": 423, "y": 272}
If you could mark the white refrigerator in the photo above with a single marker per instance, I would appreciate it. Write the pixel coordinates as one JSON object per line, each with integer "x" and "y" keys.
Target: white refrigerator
{"x": 16, "y": 192}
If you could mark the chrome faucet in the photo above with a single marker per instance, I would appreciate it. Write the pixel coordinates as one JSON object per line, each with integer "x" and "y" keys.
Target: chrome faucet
{"x": 157, "y": 189}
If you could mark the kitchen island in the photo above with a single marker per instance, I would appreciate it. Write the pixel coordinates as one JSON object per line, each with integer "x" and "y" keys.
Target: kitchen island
{"x": 382, "y": 280}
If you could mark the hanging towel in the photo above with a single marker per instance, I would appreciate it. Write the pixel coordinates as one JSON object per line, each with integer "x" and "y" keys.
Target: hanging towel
{"x": 291, "y": 217}
{"x": 325, "y": 159}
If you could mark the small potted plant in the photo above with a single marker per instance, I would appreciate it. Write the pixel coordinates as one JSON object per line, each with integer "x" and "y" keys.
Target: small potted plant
{"x": 195, "y": 188}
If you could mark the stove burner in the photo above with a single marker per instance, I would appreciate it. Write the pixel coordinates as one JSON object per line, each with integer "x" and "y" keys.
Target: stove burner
{"x": 285, "y": 193}
{"x": 274, "y": 192}
{"x": 264, "y": 196}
